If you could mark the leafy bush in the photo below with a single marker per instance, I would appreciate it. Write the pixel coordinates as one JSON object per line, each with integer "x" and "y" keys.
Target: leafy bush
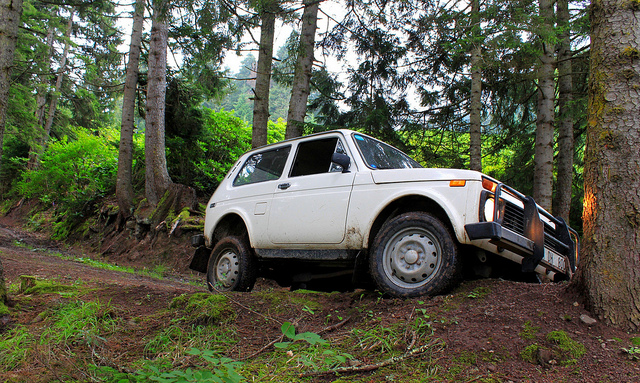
{"x": 201, "y": 158}
{"x": 73, "y": 174}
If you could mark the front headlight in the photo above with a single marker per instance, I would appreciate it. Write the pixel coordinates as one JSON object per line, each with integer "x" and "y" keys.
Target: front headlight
{"x": 489, "y": 206}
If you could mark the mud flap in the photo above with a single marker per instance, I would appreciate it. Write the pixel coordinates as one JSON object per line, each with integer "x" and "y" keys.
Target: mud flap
{"x": 534, "y": 230}
{"x": 200, "y": 259}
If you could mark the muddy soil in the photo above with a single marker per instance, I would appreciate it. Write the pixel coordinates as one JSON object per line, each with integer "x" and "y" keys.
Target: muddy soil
{"x": 483, "y": 326}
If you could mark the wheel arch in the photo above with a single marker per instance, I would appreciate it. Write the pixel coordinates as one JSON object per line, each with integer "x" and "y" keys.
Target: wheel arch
{"x": 231, "y": 224}
{"x": 406, "y": 204}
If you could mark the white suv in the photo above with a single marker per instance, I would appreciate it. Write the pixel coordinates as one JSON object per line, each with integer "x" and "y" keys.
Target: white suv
{"x": 341, "y": 203}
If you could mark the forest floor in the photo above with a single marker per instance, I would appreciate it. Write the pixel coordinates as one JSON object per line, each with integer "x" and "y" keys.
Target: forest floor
{"x": 148, "y": 324}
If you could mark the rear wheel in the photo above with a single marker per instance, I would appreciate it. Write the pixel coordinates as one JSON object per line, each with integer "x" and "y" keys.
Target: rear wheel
{"x": 414, "y": 254}
{"x": 232, "y": 266}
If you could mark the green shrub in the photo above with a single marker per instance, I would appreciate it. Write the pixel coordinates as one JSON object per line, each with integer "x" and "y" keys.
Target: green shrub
{"x": 72, "y": 175}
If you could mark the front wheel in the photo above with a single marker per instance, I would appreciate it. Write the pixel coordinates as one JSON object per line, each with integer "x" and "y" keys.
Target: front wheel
{"x": 232, "y": 266}
{"x": 414, "y": 254}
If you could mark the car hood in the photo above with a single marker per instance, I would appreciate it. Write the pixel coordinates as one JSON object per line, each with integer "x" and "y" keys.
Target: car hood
{"x": 423, "y": 174}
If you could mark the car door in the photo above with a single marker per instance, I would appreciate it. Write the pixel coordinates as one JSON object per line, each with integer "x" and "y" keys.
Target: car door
{"x": 252, "y": 189}
{"x": 310, "y": 205}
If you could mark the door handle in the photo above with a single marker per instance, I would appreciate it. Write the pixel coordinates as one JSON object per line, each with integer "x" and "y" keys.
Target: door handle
{"x": 284, "y": 186}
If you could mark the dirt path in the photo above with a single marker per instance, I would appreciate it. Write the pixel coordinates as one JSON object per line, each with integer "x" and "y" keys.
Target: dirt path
{"x": 28, "y": 254}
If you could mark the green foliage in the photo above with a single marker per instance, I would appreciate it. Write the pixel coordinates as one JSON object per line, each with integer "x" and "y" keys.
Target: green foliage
{"x": 529, "y": 331}
{"x": 530, "y": 353}
{"x": 289, "y": 331}
{"x": 83, "y": 322}
{"x": 377, "y": 338}
{"x": 72, "y": 175}
{"x": 567, "y": 345}
{"x": 633, "y": 352}
{"x": 223, "y": 370}
{"x": 171, "y": 343}
{"x": 51, "y": 287}
{"x": 15, "y": 345}
{"x": 205, "y": 308}
{"x": 479, "y": 293}
{"x": 308, "y": 349}
{"x": 202, "y": 155}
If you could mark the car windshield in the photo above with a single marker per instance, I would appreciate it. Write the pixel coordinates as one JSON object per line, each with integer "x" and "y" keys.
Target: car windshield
{"x": 379, "y": 155}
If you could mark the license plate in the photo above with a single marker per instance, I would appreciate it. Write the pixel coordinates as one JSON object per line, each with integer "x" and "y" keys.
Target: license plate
{"x": 556, "y": 260}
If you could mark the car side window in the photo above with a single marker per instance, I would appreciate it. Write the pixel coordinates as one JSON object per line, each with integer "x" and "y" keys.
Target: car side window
{"x": 263, "y": 166}
{"x": 314, "y": 157}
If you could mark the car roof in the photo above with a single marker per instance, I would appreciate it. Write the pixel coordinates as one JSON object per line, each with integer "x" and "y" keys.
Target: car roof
{"x": 345, "y": 132}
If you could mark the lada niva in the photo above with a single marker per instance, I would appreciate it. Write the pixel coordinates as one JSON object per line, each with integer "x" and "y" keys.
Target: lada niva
{"x": 343, "y": 204}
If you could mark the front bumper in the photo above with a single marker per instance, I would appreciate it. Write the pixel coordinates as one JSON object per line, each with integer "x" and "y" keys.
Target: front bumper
{"x": 551, "y": 240}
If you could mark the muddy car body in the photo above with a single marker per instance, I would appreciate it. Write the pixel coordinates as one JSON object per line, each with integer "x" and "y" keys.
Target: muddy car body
{"x": 341, "y": 203}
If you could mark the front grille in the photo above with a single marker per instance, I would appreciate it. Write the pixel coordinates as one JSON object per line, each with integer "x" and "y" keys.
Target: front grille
{"x": 514, "y": 221}
{"x": 513, "y": 218}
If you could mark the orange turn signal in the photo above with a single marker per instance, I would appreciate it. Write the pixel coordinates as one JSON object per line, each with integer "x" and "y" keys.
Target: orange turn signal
{"x": 457, "y": 183}
{"x": 489, "y": 185}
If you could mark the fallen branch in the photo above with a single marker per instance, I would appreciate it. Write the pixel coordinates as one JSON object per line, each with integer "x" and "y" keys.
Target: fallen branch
{"x": 334, "y": 326}
{"x": 375, "y": 366}
{"x": 263, "y": 349}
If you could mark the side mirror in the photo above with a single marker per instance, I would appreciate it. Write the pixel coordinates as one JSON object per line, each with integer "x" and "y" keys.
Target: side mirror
{"x": 343, "y": 160}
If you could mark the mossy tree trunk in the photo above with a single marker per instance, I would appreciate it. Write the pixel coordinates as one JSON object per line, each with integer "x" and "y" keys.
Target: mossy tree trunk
{"x": 475, "y": 115}
{"x": 3, "y": 288}
{"x": 124, "y": 188}
{"x": 263, "y": 73}
{"x": 304, "y": 65}
{"x": 157, "y": 180}
{"x": 543, "y": 158}
{"x": 566, "y": 149}
{"x": 10, "y": 11}
{"x": 609, "y": 270}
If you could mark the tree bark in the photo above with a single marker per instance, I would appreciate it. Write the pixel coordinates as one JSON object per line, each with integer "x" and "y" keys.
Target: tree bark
{"x": 609, "y": 271}
{"x": 475, "y": 123}
{"x": 43, "y": 88}
{"x": 302, "y": 77}
{"x": 157, "y": 179}
{"x": 543, "y": 157}
{"x": 263, "y": 78}
{"x": 39, "y": 147}
{"x": 564, "y": 168}
{"x": 10, "y": 11}
{"x": 3, "y": 287}
{"x": 124, "y": 188}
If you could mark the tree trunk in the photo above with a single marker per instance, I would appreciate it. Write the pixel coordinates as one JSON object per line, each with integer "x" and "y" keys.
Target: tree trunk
{"x": 10, "y": 11}
{"x": 43, "y": 87}
{"x": 124, "y": 188}
{"x": 475, "y": 123}
{"x": 543, "y": 160}
{"x": 562, "y": 200}
{"x": 302, "y": 76}
{"x": 39, "y": 147}
{"x": 3, "y": 287}
{"x": 609, "y": 271}
{"x": 263, "y": 79}
{"x": 157, "y": 179}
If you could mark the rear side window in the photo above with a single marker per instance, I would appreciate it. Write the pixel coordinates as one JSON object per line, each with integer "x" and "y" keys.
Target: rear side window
{"x": 263, "y": 166}
{"x": 314, "y": 157}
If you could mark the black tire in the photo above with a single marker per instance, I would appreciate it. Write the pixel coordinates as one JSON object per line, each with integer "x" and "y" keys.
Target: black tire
{"x": 414, "y": 254}
{"x": 232, "y": 266}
